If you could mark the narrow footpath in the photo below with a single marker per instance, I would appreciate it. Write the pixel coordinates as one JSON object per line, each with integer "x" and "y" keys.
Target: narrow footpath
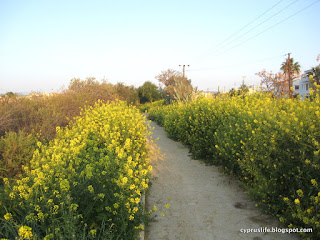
{"x": 204, "y": 203}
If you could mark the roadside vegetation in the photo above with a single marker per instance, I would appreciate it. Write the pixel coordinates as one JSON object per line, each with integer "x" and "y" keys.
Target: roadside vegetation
{"x": 271, "y": 144}
{"x": 74, "y": 164}
{"x": 84, "y": 184}
{"x": 28, "y": 119}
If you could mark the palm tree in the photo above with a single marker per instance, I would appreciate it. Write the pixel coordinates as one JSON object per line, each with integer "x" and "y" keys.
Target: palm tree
{"x": 294, "y": 68}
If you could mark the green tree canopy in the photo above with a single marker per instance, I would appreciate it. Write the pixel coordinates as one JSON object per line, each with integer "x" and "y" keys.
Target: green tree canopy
{"x": 11, "y": 95}
{"x": 149, "y": 92}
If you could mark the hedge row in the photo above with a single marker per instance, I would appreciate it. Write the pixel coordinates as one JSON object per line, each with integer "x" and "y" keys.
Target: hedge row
{"x": 272, "y": 145}
{"x": 86, "y": 183}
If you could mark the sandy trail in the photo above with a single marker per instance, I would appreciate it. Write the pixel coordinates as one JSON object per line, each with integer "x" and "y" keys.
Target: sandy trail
{"x": 205, "y": 204}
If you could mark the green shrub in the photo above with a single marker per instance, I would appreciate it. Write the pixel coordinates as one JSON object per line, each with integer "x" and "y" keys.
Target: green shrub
{"x": 146, "y": 106}
{"x": 16, "y": 150}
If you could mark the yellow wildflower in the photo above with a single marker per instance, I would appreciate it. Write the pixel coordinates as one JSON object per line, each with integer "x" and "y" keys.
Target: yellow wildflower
{"x": 73, "y": 207}
{"x": 11, "y": 195}
{"x": 101, "y": 195}
{"x": 124, "y": 180}
{"x": 300, "y": 193}
{"x": 64, "y": 185}
{"x": 6, "y": 181}
{"x": 314, "y": 182}
{"x": 25, "y": 232}
{"x": 140, "y": 227}
{"x": 41, "y": 216}
{"x": 7, "y": 216}
{"x": 90, "y": 188}
{"x": 135, "y": 209}
{"x": 116, "y": 205}
{"x": 93, "y": 232}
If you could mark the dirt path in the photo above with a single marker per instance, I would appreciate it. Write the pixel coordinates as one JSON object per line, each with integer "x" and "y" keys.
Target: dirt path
{"x": 205, "y": 204}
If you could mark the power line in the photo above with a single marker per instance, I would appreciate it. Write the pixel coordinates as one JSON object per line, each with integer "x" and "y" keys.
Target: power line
{"x": 270, "y": 27}
{"x": 250, "y": 22}
{"x": 262, "y": 22}
{"x": 245, "y": 64}
{"x": 247, "y": 25}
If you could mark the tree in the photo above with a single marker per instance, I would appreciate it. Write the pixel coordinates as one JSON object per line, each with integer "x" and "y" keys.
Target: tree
{"x": 316, "y": 74}
{"x": 149, "y": 92}
{"x": 127, "y": 93}
{"x": 92, "y": 89}
{"x": 314, "y": 77}
{"x": 294, "y": 68}
{"x": 11, "y": 95}
{"x": 275, "y": 83}
{"x": 168, "y": 79}
{"x": 78, "y": 85}
{"x": 177, "y": 87}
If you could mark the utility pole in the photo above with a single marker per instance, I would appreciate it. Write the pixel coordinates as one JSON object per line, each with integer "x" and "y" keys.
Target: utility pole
{"x": 288, "y": 72}
{"x": 243, "y": 78}
{"x": 183, "y": 69}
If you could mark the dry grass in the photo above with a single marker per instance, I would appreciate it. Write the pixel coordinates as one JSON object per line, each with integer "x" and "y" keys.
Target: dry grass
{"x": 36, "y": 117}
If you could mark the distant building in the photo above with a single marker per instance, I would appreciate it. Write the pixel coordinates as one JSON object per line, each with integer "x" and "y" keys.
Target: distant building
{"x": 209, "y": 93}
{"x": 301, "y": 85}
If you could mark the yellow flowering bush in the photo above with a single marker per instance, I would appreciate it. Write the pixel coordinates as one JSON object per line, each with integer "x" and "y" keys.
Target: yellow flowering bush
{"x": 86, "y": 183}
{"x": 271, "y": 144}
{"x": 25, "y": 232}
{"x": 147, "y": 106}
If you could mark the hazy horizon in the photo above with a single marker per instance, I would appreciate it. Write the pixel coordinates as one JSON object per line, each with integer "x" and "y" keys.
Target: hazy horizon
{"x": 43, "y": 45}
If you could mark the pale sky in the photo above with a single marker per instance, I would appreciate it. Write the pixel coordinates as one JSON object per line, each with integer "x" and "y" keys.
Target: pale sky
{"x": 44, "y": 44}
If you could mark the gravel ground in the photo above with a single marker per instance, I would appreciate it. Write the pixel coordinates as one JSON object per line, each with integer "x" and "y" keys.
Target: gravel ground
{"x": 204, "y": 203}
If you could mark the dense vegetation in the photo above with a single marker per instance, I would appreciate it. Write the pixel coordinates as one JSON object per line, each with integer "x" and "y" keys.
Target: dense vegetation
{"x": 271, "y": 144}
{"x": 86, "y": 183}
{"x": 28, "y": 119}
